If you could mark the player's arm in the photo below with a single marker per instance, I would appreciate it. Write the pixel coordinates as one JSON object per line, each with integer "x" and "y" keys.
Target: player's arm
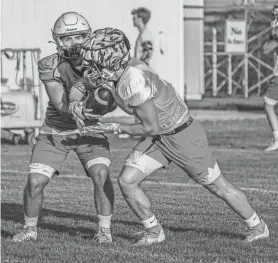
{"x": 57, "y": 96}
{"x": 149, "y": 122}
{"x": 147, "y": 51}
{"x": 47, "y": 68}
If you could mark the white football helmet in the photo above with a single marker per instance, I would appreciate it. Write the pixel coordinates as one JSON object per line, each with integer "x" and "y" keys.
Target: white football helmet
{"x": 68, "y": 24}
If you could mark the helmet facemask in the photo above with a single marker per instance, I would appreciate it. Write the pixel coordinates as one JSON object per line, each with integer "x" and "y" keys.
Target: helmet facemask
{"x": 98, "y": 77}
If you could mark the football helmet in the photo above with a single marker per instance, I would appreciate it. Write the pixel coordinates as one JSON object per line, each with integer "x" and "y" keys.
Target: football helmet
{"x": 68, "y": 24}
{"x": 105, "y": 52}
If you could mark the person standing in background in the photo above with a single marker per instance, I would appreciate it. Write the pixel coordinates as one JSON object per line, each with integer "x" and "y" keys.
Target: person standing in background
{"x": 271, "y": 96}
{"x": 143, "y": 45}
{"x": 144, "y": 42}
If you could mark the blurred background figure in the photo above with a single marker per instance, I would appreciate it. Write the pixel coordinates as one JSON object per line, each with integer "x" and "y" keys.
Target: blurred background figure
{"x": 271, "y": 96}
{"x": 144, "y": 42}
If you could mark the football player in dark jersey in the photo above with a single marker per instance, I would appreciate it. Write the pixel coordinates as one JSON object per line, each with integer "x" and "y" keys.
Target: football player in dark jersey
{"x": 59, "y": 134}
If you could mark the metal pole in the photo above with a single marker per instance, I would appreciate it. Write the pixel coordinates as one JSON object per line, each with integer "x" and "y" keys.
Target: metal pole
{"x": 230, "y": 74}
{"x": 246, "y": 56}
{"x": 214, "y": 62}
{"x": 24, "y": 71}
{"x": 259, "y": 74}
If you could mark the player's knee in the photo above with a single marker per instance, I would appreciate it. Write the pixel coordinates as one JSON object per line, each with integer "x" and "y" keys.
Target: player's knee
{"x": 269, "y": 103}
{"x": 127, "y": 181}
{"x": 36, "y": 183}
{"x": 99, "y": 174}
{"x": 221, "y": 188}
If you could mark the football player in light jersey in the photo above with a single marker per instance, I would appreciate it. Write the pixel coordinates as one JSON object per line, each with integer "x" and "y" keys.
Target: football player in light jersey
{"x": 169, "y": 133}
{"x": 59, "y": 134}
{"x": 271, "y": 96}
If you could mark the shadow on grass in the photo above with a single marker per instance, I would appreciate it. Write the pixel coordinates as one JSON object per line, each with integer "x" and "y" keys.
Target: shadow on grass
{"x": 14, "y": 212}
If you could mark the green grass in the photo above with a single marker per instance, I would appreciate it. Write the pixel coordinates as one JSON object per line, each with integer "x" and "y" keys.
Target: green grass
{"x": 198, "y": 226}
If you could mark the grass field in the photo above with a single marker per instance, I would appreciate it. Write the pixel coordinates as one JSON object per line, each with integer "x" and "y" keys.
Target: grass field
{"x": 198, "y": 226}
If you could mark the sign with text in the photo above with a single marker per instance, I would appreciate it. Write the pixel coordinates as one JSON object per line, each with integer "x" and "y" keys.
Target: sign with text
{"x": 236, "y": 39}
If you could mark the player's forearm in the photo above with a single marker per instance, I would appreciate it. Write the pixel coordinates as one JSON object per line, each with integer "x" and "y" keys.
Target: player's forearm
{"x": 63, "y": 108}
{"x": 139, "y": 129}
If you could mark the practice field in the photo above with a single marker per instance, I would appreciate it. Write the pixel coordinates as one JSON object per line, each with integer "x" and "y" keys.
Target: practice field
{"x": 198, "y": 226}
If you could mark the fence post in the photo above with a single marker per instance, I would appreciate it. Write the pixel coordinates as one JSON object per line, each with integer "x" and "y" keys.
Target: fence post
{"x": 214, "y": 62}
{"x": 230, "y": 76}
{"x": 246, "y": 56}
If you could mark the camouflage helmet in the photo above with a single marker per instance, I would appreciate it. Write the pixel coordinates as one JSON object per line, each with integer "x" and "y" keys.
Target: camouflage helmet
{"x": 107, "y": 48}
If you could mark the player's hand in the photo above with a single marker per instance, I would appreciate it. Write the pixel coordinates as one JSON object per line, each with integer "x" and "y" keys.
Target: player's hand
{"x": 76, "y": 109}
{"x": 89, "y": 114}
{"x": 104, "y": 127}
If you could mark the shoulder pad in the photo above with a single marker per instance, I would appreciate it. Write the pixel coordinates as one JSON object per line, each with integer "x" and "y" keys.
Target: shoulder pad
{"x": 135, "y": 88}
{"x": 47, "y": 66}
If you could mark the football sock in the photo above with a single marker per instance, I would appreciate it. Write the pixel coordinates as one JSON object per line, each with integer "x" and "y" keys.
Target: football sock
{"x": 104, "y": 221}
{"x": 275, "y": 135}
{"x": 253, "y": 220}
{"x": 150, "y": 222}
{"x": 31, "y": 221}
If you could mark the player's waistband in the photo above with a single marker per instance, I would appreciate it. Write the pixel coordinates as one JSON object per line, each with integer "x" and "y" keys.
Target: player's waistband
{"x": 180, "y": 128}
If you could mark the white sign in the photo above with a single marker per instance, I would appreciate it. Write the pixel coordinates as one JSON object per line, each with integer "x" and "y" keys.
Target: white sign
{"x": 236, "y": 38}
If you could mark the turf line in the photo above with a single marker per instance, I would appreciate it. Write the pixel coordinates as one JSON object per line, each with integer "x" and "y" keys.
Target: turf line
{"x": 187, "y": 185}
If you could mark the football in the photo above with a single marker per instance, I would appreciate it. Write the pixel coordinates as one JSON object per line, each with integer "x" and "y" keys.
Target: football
{"x": 100, "y": 100}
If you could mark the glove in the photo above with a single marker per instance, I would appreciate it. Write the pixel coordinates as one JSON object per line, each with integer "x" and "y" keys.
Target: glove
{"x": 104, "y": 127}
{"x": 75, "y": 109}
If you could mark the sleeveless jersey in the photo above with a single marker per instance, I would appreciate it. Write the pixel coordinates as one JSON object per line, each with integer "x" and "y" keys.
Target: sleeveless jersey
{"x": 55, "y": 68}
{"x": 140, "y": 83}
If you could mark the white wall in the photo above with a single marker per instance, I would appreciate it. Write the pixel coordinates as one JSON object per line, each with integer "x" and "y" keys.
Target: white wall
{"x": 28, "y": 23}
{"x": 194, "y": 48}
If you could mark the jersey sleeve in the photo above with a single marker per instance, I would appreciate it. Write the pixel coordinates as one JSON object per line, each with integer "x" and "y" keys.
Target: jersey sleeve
{"x": 48, "y": 68}
{"x": 136, "y": 89}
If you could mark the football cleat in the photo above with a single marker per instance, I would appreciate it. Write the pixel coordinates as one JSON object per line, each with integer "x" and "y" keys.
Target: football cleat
{"x": 272, "y": 147}
{"x": 148, "y": 237}
{"x": 103, "y": 235}
{"x": 257, "y": 232}
{"x": 27, "y": 234}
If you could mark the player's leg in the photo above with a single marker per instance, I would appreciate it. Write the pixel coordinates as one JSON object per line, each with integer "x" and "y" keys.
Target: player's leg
{"x": 271, "y": 99}
{"x": 195, "y": 158}
{"x": 137, "y": 167}
{"x": 273, "y": 122}
{"x": 93, "y": 152}
{"x": 238, "y": 201}
{"x": 46, "y": 160}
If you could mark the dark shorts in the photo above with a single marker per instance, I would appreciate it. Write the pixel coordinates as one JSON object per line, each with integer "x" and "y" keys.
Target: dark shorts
{"x": 272, "y": 90}
{"x": 52, "y": 149}
{"x": 188, "y": 149}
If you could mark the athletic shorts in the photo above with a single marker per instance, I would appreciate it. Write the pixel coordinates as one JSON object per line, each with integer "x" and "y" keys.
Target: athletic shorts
{"x": 187, "y": 148}
{"x": 52, "y": 148}
{"x": 271, "y": 96}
